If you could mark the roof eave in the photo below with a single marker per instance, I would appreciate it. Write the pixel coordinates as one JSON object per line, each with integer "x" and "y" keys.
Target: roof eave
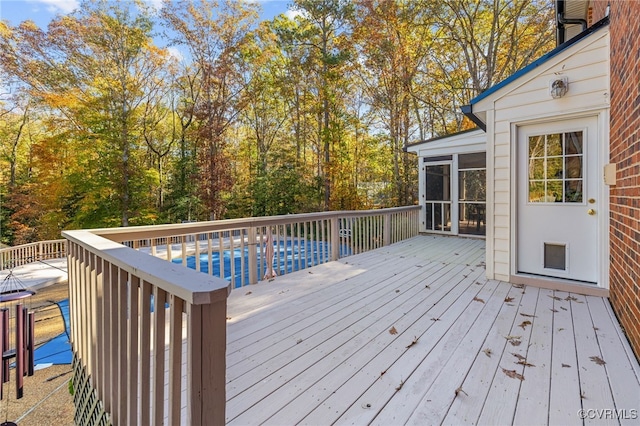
{"x": 535, "y": 64}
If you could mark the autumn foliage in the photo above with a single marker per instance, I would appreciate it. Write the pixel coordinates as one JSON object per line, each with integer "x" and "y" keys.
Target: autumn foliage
{"x": 119, "y": 114}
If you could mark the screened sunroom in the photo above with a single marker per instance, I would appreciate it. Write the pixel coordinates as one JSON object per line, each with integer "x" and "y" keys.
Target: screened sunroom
{"x": 452, "y": 173}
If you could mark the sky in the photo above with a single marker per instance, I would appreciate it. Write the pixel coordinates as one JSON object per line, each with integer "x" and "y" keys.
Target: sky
{"x": 43, "y": 11}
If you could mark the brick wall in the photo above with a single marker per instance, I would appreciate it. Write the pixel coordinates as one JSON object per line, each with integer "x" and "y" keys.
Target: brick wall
{"x": 625, "y": 152}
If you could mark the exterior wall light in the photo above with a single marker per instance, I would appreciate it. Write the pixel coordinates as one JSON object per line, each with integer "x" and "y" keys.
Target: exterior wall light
{"x": 559, "y": 87}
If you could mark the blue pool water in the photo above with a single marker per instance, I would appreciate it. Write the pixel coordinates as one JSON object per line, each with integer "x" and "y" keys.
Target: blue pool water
{"x": 310, "y": 253}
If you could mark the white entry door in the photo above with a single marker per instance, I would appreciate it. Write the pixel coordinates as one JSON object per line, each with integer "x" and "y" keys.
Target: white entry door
{"x": 558, "y": 206}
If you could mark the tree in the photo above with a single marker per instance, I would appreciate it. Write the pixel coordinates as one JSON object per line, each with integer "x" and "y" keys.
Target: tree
{"x": 393, "y": 40}
{"x": 323, "y": 36}
{"x": 92, "y": 68}
{"x": 214, "y": 36}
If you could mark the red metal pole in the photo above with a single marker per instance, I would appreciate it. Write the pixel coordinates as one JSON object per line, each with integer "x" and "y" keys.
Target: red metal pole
{"x": 5, "y": 345}
{"x": 30, "y": 341}
{"x": 3, "y": 324}
{"x": 19, "y": 351}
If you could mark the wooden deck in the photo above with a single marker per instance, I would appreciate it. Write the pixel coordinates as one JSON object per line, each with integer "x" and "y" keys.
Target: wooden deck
{"x": 414, "y": 333}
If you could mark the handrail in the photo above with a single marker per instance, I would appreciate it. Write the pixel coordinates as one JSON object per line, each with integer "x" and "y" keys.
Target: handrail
{"x": 123, "y": 304}
{"x": 157, "y": 231}
{"x": 236, "y": 249}
{"x": 130, "y": 294}
{"x": 11, "y": 257}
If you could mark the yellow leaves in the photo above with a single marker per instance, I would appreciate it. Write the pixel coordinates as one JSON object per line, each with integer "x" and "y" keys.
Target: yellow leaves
{"x": 5, "y": 31}
{"x": 60, "y": 100}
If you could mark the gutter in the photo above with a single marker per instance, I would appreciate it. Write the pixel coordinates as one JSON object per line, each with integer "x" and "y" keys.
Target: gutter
{"x": 561, "y": 20}
{"x": 467, "y": 110}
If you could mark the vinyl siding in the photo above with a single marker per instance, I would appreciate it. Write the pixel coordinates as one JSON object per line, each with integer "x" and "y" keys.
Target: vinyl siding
{"x": 527, "y": 100}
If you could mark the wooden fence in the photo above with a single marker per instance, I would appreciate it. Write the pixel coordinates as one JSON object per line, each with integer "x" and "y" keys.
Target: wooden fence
{"x": 135, "y": 307}
{"x": 11, "y": 257}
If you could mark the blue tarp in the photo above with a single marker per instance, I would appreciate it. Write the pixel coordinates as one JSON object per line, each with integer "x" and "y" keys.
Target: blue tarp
{"x": 58, "y": 349}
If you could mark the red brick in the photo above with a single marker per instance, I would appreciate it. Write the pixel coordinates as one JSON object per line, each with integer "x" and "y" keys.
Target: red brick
{"x": 625, "y": 152}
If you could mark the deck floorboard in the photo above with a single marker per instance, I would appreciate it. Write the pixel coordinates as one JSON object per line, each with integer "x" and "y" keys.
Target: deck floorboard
{"x": 414, "y": 333}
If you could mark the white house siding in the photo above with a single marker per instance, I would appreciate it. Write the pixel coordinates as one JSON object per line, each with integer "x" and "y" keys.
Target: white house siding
{"x": 526, "y": 100}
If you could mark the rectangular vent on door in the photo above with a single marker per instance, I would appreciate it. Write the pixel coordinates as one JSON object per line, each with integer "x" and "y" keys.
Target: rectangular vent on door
{"x": 555, "y": 256}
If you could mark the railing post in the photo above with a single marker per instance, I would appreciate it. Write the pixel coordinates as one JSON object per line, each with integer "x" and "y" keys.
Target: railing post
{"x": 206, "y": 352}
{"x": 335, "y": 239}
{"x": 386, "y": 230}
{"x": 253, "y": 255}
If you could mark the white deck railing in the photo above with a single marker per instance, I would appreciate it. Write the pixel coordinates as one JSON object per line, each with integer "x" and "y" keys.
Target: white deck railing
{"x": 12, "y": 257}
{"x": 132, "y": 351}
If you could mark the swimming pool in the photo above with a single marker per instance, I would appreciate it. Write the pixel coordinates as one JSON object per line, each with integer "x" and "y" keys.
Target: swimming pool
{"x": 288, "y": 256}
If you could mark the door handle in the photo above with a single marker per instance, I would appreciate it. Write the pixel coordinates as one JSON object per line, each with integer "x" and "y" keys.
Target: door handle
{"x": 591, "y": 212}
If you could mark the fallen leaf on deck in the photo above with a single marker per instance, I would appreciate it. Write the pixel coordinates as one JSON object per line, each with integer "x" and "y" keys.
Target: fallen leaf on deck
{"x": 247, "y": 293}
{"x": 566, "y": 365}
{"x": 508, "y": 299}
{"x": 560, "y": 329}
{"x": 487, "y": 352}
{"x": 455, "y": 254}
{"x": 415, "y": 340}
{"x": 563, "y": 308}
{"x": 427, "y": 286}
{"x": 572, "y": 299}
{"x": 478, "y": 282}
{"x": 514, "y": 340}
{"x": 228, "y": 318}
{"x": 382, "y": 373}
{"x": 553, "y": 310}
{"x": 393, "y": 330}
{"x": 597, "y": 360}
{"x": 513, "y": 374}
{"x": 460, "y": 390}
{"x": 400, "y": 385}
{"x": 525, "y": 363}
{"x": 523, "y": 324}
{"x": 310, "y": 272}
{"x": 520, "y": 357}
{"x": 518, "y": 285}
{"x": 397, "y": 291}
{"x": 554, "y": 297}
{"x": 366, "y": 405}
{"x": 583, "y": 395}
{"x": 435, "y": 319}
{"x": 299, "y": 341}
{"x": 477, "y": 299}
{"x": 529, "y": 316}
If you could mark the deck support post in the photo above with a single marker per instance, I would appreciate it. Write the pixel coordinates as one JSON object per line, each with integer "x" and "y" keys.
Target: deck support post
{"x": 335, "y": 238}
{"x": 253, "y": 255}
{"x": 386, "y": 230}
{"x": 206, "y": 352}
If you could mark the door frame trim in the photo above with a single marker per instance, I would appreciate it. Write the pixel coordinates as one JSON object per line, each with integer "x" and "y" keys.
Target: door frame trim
{"x": 602, "y": 233}
{"x": 453, "y": 181}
